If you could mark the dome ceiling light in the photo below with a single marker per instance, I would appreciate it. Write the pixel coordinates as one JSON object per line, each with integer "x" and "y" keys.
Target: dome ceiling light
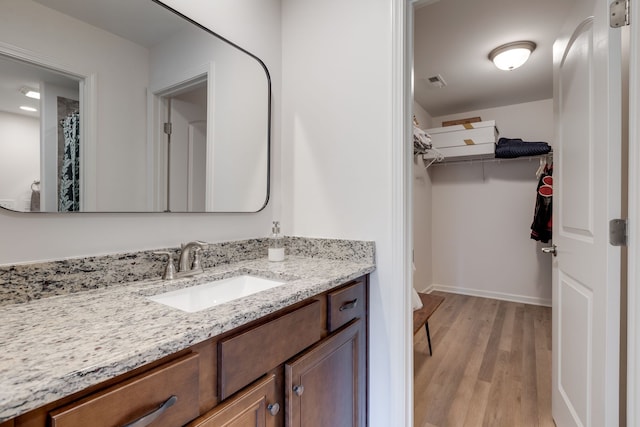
{"x": 512, "y": 55}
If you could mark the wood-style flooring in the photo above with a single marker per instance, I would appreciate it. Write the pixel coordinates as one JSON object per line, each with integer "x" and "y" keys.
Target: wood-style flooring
{"x": 491, "y": 365}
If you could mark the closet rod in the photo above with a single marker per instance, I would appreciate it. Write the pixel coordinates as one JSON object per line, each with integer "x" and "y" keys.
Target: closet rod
{"x": 493, "y": 159}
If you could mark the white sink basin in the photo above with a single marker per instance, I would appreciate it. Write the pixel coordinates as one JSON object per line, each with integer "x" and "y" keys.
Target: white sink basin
{"x": 206, "y": 295}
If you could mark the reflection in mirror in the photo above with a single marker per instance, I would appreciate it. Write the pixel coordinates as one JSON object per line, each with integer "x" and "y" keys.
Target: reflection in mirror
{"x": 139, "y": 110}
{"x": 45, "y": 107}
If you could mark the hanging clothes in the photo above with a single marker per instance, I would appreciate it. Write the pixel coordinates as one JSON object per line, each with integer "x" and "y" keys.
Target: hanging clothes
{"x": 69, "y": 189}
{"x": 541, "y": 227}
{"x": 421, "y": 141}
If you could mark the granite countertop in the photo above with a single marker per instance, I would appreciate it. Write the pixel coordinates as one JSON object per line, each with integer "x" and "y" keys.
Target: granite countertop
{"x": 56, "y": 346}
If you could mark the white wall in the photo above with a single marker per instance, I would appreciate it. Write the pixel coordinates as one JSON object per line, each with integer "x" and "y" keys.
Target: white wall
{"x": 422, "y": 218}
{"x": 20, "y": 163}
{"x": 482, "y": 214}
{"x": 424, "y": 118}
{"x": 531, "y": 121}
{"x": 337, "y": 161}
{"x": 36, "y": 237}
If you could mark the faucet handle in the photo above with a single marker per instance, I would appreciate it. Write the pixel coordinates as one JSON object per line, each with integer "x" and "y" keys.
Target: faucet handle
{"x": 197, "y": 259}
{"x": 170, "y": 268}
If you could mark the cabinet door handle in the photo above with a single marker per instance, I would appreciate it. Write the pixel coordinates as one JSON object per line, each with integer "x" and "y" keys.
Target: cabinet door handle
{"x": 273, "y": 408}
{"x": 145, "y": 420}
{"x": 298, "y": 390}
{"x": 349, "y": 304}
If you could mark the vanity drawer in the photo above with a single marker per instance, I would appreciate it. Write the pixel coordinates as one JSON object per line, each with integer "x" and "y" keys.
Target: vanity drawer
{"x": 245, "y": 357}
{"x": 345, "y": 304}
{"x": 147, "y": 395}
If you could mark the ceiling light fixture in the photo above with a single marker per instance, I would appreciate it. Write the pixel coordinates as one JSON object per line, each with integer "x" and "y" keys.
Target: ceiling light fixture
{"x": 512, "y": 55}
{"x": 31, "y": 93}
{"x": 25, "y": 108}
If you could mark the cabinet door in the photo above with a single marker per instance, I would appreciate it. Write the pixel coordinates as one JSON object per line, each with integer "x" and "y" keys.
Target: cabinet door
{"x": 254, "y": 406}
{"x": 326, "y": 385}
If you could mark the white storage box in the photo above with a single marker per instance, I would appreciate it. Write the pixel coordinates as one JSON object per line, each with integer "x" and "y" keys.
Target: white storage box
{"x": 471, "y": 140}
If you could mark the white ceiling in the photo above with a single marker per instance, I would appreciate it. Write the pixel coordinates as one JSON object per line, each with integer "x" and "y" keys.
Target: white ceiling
{"x": 140, "y": 21}
{"x": 453, "y": 38}
{"x": 16, "y": 74}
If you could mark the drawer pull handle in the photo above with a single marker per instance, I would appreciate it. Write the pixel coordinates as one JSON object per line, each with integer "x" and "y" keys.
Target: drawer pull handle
{"x": 349, "y": 305}
{"x": 153, "y": 415}
{"x": 298, "y": 390}
{"x": 273, "y": 408}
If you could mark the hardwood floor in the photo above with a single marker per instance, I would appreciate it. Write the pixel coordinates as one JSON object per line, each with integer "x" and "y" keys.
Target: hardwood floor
{"x": 491, "y": 365}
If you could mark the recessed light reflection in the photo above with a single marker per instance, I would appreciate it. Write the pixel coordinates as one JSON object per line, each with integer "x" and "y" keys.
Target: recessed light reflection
{"x": 31, "y": 93}
{"x": 25, "y": 108}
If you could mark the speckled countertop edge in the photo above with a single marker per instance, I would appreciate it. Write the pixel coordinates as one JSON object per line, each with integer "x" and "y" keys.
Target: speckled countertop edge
{"x": 96, "y": 335}
{"x": 31, "y": 281}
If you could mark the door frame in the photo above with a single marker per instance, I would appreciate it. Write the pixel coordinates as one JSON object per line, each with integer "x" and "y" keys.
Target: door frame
{"x": 157, "y": 108}
{"x": 405, "y": 9}
{"x": 400, "y": 403}
{"x": 633, "y": 269}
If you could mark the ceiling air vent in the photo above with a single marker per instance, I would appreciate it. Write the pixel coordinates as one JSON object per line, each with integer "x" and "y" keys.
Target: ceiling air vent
{"x": 436, "y": 81}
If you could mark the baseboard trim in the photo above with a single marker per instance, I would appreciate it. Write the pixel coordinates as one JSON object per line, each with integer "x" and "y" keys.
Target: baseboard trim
{"x": 488, "y": 294}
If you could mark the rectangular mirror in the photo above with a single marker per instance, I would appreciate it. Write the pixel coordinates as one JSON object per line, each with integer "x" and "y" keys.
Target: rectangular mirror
{"x": 128, "y": 106}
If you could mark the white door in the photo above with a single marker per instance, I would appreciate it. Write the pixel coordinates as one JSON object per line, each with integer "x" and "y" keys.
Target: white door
{"x": 197, "y": 169}
{"x": 586, "y": 271}
{"x": 188, "y": 113}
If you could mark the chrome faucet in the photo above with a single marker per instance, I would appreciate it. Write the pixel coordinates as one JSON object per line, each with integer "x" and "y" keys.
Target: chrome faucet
{"x": 187, "y": 267}
{"x": 186, "y": 264}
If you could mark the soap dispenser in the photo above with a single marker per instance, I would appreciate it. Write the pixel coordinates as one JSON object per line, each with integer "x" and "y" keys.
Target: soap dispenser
{"x": 276, "y": 243}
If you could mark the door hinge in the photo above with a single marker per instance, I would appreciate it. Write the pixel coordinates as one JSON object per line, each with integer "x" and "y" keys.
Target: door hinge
{"x": 619, "y": 13}
{"x": 618, "y": 232}
{"x": 167, "y": 128}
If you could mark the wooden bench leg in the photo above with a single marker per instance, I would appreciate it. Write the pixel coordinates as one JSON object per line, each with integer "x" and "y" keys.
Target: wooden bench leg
{"x": 426, "y": 325}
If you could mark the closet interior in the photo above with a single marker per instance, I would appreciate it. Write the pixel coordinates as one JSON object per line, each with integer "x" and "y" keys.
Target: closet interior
{"x": 473, "y": 212}
{"x": 475, "y": 194}
{"x": 482, "y": 210}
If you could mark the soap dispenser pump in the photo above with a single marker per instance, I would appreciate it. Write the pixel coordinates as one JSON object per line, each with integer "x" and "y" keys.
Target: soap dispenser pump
{"x": 276, "y": 243}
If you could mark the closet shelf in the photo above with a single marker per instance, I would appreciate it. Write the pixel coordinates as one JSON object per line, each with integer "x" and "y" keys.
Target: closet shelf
{"x": 491, "y": 159}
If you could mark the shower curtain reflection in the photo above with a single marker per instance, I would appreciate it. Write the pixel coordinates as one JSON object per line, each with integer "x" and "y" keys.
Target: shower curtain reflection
{"x": 69, "y": 191}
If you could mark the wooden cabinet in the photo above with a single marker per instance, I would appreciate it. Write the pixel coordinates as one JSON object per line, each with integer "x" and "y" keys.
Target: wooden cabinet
{"x": 325, "y": 386}
{"x": 255, "y": 406}
{"x": 339, "y": 381}
{"x": 305, "y": 365}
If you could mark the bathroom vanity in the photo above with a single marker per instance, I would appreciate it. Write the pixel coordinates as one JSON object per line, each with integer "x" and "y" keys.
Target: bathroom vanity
{"x": 293, "y": 355}
{"x": 82, "y": 342}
